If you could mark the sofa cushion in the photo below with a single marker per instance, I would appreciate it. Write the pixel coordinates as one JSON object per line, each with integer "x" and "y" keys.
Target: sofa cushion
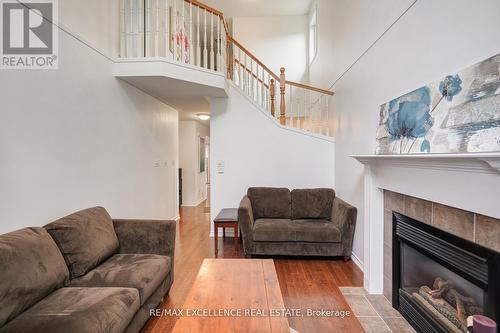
{"x": 273, "y": 230}
{"x": 144, "y": 272}
{"x": 316, "y": 231}
{"x": 79, "y": 310}
{"x": 85, "y": 238}
{"x": 31, "y": 267}
{"x": 270, "y": 202}
{"x": 312, "y": 203}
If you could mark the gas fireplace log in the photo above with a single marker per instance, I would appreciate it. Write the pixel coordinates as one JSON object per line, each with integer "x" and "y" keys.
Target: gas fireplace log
{"x": 436, "y": 314}
{"x": 443, "y": 307}
{"x": 465, "y": 306}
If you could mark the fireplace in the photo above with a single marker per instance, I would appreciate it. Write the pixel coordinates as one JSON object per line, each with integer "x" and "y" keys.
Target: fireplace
{"x": 439, "y": 279}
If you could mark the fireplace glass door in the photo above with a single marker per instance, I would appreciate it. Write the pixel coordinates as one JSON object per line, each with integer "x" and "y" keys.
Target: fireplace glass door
{"x": 444, "y": 295}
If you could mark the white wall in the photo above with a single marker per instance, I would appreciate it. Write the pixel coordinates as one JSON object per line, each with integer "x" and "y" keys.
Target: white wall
{"x": 77, "y": 137}
{"x": 433, "y": 39}
{"x": 258, "y": 152}
{"x": 193, "y": 181}
{"x": 278, "y": 41}
{"x": 94, "y": 21}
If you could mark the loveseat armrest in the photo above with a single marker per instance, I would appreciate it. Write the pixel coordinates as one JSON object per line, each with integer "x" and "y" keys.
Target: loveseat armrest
{"x": 245, "y": 222}
{"x": 344, "y": 216}
{"x": 146, "y": 236}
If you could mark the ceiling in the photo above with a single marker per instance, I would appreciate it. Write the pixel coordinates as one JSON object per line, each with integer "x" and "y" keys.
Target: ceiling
{"x": 190, "y": 107}
{"x": 249, "y": 8}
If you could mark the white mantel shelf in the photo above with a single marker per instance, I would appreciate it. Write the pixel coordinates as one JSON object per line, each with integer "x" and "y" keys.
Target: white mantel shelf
{"x": 469, "y": 162}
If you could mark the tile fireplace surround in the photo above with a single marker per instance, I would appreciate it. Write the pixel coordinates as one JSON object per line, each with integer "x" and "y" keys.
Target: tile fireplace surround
{"x": 454, "y": 192}
{"x": 477, "y": 228}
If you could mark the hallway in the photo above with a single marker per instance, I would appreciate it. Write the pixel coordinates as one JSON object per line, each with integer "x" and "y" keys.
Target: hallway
{"x": 305, "y": 283}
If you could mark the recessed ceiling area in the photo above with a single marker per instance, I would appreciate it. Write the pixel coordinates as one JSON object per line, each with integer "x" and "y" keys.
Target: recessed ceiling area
{"x": 249, "y": 8}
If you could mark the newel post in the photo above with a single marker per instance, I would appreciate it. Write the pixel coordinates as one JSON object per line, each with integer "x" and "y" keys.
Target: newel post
{"x": 282, "y": 92}
{"x": 272, "y": 93}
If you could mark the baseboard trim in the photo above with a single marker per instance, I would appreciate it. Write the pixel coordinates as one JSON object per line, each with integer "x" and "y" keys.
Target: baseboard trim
{"x": 193, "y": 204}
{"x": 358, "y": 262}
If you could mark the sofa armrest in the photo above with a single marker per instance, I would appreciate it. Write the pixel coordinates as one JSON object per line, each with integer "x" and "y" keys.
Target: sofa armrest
{"x": 245, "y": 221}
{"x": 344, "y": 216}
{"x": 146, "y": 236}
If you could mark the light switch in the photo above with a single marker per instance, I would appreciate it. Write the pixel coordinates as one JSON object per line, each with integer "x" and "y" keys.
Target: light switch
{"x": 220, "y": 166}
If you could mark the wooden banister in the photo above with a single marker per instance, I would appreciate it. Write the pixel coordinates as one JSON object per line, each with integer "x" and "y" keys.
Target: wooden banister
{"x": 206, "y": 7}
{"x": 308, "y": 87}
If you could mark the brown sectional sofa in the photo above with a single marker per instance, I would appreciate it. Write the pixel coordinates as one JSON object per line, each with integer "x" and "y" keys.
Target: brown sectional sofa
{"x": 85, "y": 273}
{"x": 302, "y": 222}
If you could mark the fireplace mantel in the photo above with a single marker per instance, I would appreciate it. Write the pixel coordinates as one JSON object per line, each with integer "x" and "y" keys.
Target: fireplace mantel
{"x": 469, "y": 162}
{"x": 466, "y": 181}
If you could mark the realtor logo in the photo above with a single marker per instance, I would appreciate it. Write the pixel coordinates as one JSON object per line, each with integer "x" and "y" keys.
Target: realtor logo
{"x": 29, "y": 36}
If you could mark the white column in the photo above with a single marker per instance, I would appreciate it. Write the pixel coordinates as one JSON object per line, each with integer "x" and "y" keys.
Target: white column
{"x": 373, "y": 266}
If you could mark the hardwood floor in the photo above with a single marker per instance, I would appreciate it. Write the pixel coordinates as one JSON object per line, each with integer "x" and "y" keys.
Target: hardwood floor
{"x": 305, "y": 283}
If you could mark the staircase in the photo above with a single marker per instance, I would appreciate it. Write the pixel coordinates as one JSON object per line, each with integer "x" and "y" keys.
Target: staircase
{"x": 191, "y": 33}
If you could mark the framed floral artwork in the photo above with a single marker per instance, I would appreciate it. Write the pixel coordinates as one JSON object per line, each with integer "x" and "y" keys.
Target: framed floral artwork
{"x": 457, "y": 114}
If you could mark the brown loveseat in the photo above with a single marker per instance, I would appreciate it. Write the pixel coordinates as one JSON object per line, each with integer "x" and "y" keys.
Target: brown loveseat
{"x": 306, "y": 222}
{"x": 85, "y": 273}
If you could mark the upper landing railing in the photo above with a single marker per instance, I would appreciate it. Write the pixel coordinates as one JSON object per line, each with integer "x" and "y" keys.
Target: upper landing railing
{"x": 190, "y": 32}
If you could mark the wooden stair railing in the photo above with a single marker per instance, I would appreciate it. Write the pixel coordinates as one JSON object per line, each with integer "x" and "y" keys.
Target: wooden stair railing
{"x": 191, "y": 32}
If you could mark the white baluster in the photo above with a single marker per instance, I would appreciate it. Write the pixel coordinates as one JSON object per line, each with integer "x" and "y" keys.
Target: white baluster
{"x": 205, "y": 50}
{"x": 219, "y": 46}
{"x": 122, "y": 29}
{"x": 134, "y": 26}
{"x": 182, "y": 34}
{"x": 212, "y": 54}
{"x": 157, "y": 30}
{"x": 240, "y": 74}
{"x": 262, "y": 90}
{"x": 327, "y": 115}
{"x": 167, "y": 36}
{"x": 174, "y": 30}
{"x": 245, "y": 75}
{"x": 198, "y": 45}
{"x": 250, "y": 78}
{"x": 147, "y": 27}
{"x": 191, "y": 53}
{"x": 130, "y": 29}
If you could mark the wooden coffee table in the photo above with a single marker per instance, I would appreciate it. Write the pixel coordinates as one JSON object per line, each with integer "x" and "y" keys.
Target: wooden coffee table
{"x": 234, "y": 284}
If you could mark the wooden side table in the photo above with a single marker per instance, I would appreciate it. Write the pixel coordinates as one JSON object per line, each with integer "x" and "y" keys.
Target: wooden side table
{"x": 227, "y": 218}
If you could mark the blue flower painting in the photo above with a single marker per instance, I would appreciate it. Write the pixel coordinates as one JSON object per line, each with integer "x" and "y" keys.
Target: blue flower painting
{"x": 460, "y": 113}
{"x": 450, "y": 86}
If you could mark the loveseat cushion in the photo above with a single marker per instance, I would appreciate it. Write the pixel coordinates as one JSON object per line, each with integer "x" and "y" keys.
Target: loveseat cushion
{"x": 316, "y": 231}
{"x": 31, "y": 267}
{"x": 312, "y": 203}
{"x": 273, "y": 230}
{"x": 85, "y": 238}
{"x": 144, "y": 272}
{"x": 270, "y": 202}
{"x": 79, "y": 310}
